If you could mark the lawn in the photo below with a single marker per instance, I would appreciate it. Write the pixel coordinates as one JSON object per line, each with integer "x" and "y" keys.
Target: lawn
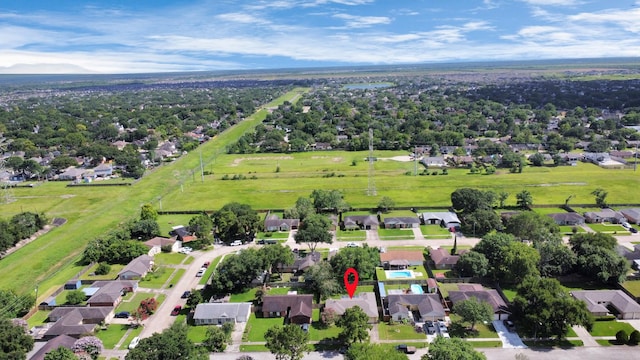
{"x": 38, "y": 318}
{"x": 568, "y": 230}
{"x": 610, "y": 328}
{"x": 254, "y": 348}
{"x": 132, "y": 304}
{"x": 273, "y": 235}
{"x": 247, "y": 296}
{"x": 197, "y": 334}
{"x": 398, "y": 332}
{"x": 396, "y": 234}
{"x": 318, "y": 332}
{"x": 169, "y": 258}
{"x": 257, "y": 327}
{"x": 510, "y": 293}
{"x": 167, "y": 222}
{"x": 633, "y": 286}
{"x": 114, "y": 332}
{"x": 177, "y": 275}
{"x": 113, "y": 273}
{"x": 435, "y": 232}
{"x": 461, "y": 329}
{"x": 351, "y": 235}
{"x": 609, "y": 228}
{"x": 486, "y": 344}
{"x": 156, "y": 279}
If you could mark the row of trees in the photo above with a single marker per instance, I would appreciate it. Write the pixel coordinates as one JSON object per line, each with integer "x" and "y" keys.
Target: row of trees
{"x": 20, "y": 226}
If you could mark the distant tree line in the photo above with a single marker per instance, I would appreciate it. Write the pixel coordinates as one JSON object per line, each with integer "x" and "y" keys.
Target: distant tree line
{"x": 20, "y": 226}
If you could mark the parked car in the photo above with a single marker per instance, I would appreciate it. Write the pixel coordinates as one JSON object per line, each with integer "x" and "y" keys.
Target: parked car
{"x": 134, "y": 342}
{"x": 406, "y": 349}
{"x": 236, "y": 243}
{"x": 633, "y": 230}
{"x": 185, "y": 294}
{"x": 122, "y": 315}
{"x": 185, "y": 250}
{"x": 511, "y": 327}
{"x": 176, "y": 310}
{"x": 201, "y": 272}
{"x": 626, "y": 225}
{"x": 206, "y": 264}
{"x": 352, "y": 244}
{"x": 429, "y": 328}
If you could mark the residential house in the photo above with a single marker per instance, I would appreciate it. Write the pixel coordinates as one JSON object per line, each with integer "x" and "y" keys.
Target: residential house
{"x": 103, "y": 170}
{"x": 156, "y": 244}
{"x": 73, "y": 173}
{"x": 442, "y": 258}
{"x": 109, "y": 293}
{"x": 604, "y": 215}
{"x": 433, "y": 161}
{"x": 567, "y": 219}
{"x": 401, "y": 222}
{"x": 444, "y": 219}
{"x": 273, "y": 223}
{"x": 301, "y": 263}
{"x": 296, "y": 309}
{"x": 360, "y": 222}
{"x": 366, "y": 301}
{"x": 632, "y": 215}
{"x": 76, "y": 321}
{"x": 58, "y": 341}
{"x": 182, "y": 234}
{"x": 396, "y": 257}
{"x": 491, "y": 296}
{"x": 414, "y": 307}
{"x": 220, "y": 313}
{"x": 136, "y": 268}
{"x": 607, "y": 302}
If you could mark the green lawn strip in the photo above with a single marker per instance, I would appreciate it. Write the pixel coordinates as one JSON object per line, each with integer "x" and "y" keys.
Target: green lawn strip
{"x": 39, "y": 318}
{"x": 380, "y": 274}
{"x": 399, "y": 213}
{"x": 197, "y": 334}
{"x": 605, "y": 228}
{"x": 568, "y": 230}
{"x": 177, "y": 275}
{"x": 571, "y": 333}
{"x": 394, "y": 234}
{"x": 132, "y": 304}
{"x": 133, "y": 333}
{"x": 318, "y": 332}
{"x": 272, "y": 235}
{"x": 609, "y": 328}
{"x": 253, "y": 348}
{"x": 409, "y": 247}
{"x": 547, "y": 210}
{"x": 160, "y": 298}
{"x": 398, "y": 332}
{"x": 351, "y": 235}
{"x": 510, "y": 293}
{"x": 169, "y": 258}
{"x": 113, "y": 273}
{"x": 112, "y": 335}
{"x": 633, "y": 286}
{"x": 433, "y": 231}
{"x": 247, "y": 296}
{"x": 206, "y": 276}
{"x": 603, "y": 342}
{"x": 156, "y": 279}
{"x": 257, "y": 327}
{"x": 486, "y": 344}
{"x": 278, "y": 291}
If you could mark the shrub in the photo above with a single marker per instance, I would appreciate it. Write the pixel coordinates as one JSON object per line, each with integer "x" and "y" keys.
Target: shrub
{"x": 89, "y": 344}
{"x": 622, "y": 337}
{"x": 103, "y": 269}
{"x": 634, "y": 338}
{"x": 75, "y": 297}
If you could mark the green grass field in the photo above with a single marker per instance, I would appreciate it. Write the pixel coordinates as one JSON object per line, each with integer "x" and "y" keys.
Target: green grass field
{"x": 395, "y": 234}
{"x": 398, "y": 332}
{"x": 633, "y": 286}
{"x": 610, "y": 328}
{"x": 435, "y": 232}
{"x": 257, "y": 327}
{"x": 351, "y": 235}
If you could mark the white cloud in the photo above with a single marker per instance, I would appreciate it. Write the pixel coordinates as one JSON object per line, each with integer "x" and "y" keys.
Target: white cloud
{"x": 354, "y": 22}
{"x": 553, "y": 2}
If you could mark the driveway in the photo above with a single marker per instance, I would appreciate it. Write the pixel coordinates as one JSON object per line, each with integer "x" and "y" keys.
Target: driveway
{"x": 510, "y": 340}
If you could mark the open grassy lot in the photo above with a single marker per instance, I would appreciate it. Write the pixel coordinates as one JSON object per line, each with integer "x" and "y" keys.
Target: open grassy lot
{"x": 113, "y": 273}
{"x": 247, "y": 296}
{"x": 398, "y": 332}
{"x": 548, "y": 210}
{"x": 39, "y": 318}
{"x": 610, "y": 328}
{"x": 167, "y": 222}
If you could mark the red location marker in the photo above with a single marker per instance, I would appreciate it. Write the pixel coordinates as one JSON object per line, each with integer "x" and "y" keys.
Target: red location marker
{"x": 351, "y": 287}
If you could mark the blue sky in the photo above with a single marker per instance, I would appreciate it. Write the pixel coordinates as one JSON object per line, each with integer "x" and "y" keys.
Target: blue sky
{"x": 131, "y": 36}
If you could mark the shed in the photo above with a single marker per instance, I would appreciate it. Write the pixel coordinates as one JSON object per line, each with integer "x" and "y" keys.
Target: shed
{"x": 73, "y": 284}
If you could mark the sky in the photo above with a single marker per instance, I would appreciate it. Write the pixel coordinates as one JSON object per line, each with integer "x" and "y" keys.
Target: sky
{"x": 138, "y": 36}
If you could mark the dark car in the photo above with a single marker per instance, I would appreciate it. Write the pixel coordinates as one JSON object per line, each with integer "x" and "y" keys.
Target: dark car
{"x": 633, "y": 230}
{"x": 176, "y": 310}
{"x": 206, "y": 264}
{"x": 185, "y": 294}
{"x": 122, "y": 315}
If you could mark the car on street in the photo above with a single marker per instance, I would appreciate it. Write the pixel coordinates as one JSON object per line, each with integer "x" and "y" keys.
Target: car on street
{"x": 236, "y": 243}
{"x": 134, "y": 342}
{"x": 122, "y": 315}
{"x": 633, "y": 230}
{"x": 176, "y": 310}
{"x": 206, "y": 264}
{"x": 201, "y": 272}
{"x": 352, "y": 244}
{"x": 185, "y": 294}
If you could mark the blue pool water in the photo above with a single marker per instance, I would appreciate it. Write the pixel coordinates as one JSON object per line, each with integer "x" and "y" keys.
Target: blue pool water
{"x": 416, "y": 289}
{"x": 398, "y": 274}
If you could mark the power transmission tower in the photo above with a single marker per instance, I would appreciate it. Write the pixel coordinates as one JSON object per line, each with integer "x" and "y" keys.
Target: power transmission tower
{"x": 371, "y": 190}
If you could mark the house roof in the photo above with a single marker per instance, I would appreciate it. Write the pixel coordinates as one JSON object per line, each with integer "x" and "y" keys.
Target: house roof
{"x": 442, "y": 256}
{"x": 56, "y": 342}
{"x": 160, "y": 241}
{"x": 631, "y": 213}
{"x": 281, "y": 222}
{"x": 139, "y": 265}
{"x": 604, "y": 214}
{"x": 489, "y": 295}
{"x": 109, "y": 291}
{"x": 401, "y": 220}
{"x": 566, "y": 217}
{"x": 361, "y": 219}
{"x": 221, "y": 310}
{"x": 410, "y": 255}
{"x": 311, "y": 259}
{"x": 366, "y": 301}
{"x": 280, "y": 303}
{"x": 597, "y": 300}
{"x": 75, "y": 321}
{"x": 427, "y": 304}
{"x": 447, "y": 217}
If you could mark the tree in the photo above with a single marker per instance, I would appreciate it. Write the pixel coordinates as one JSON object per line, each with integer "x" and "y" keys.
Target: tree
{"x": 328, "y": 317}
{"x": 172, "y": 343}
{"x": 603, "y": 265}
{"x": 202, "y": 227}
{"x": 145, "y": 229}
{"x": 537, "y": 159}
{"x": 472, "y": 264}
{"x": 580, "y": 242}
{"x": 103, "y": 269}
{"x": 60, "y": 353}
{"x": 468, "y": 200}
{"x": 492, "y": 247}
{"x": 473, "y": 310}
{"x": 524, "y": 199}
{"x": 542, "y": 309}
{"x": 502, "y": 197}
{"x": 518, "y": 262}
{"x": 452, "y": 348}
{"x": 314, "y": 230}
{"x": 195, "y": 298}
{"x": 21, "y": 303}
{"x": 537, "y": 228}
{"x": 216, "y": 339}
{"x": 364, "y": 259}
{"x": 15, "y": 343}
{"x": 634, "y": 337}
{"x": 481, "y": 222}
{"x": 90, "y": 345}
{"x": 237, "y": 272}
{"x": 355, "y": 325}
{"x": 601, "y": 197}
{"x": 385, "y": 204}
{"x": 321, "y": 280}
{"x": 363, "y": 351}
{"x": 236, "y": 221}
{"x": 302, "y": 209}
{"x": 275, "y": 255}
{"x": 328, "y": 200}
{"x": 622, "y": 337}
{"x": 75, "y": 297}
{"x": 556, "y": 259}
{"x": 287, "y": 342}
{"x": 147, "y": 212}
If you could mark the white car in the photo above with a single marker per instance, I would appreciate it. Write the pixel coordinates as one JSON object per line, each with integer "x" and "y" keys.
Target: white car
{"x": 236, "y": 243}
{"x": 201, "y": 272}
{"x": 185, "y": 250}
{"x": 134, "y": 342}
{"x": 352, "y": 244}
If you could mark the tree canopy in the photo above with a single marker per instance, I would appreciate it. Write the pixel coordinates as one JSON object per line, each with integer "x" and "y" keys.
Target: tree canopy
{"x": 452, "y": 348}
{"x": 364, "y": 351}
{"x": 235, "y": 221}
{"x": 15, "y": 343}
{"x": 172, "y": 343}
{"x": 363, "y": 259}
{"x": 313, "y": 231}
{"x": 287, "y": 342}
{"x": 355, "y": 326}
{"x": 474, "y": 311}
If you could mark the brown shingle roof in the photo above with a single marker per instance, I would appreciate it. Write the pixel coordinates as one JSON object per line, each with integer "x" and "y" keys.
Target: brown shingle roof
{"x": 409, "y": 255}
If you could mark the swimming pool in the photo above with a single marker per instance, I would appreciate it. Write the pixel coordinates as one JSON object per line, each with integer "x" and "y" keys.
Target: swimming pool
{"x": 416, "y": 289}
{"x": 399, "y": 274}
